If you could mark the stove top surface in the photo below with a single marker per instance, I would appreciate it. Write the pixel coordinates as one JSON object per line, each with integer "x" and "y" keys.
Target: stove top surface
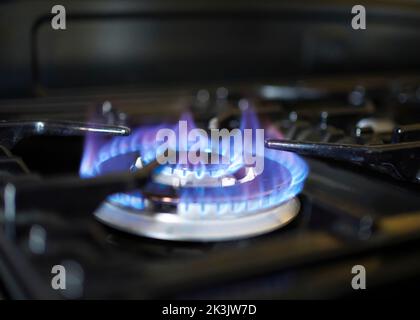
{"x": 78, "y": 193}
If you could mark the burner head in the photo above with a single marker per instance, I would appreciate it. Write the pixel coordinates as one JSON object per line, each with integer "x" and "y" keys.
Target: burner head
{"x": 202, "y": 175}
{"x": 199, "y": 202}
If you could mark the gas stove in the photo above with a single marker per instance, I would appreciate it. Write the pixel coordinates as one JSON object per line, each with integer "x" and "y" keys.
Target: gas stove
{"x": 89, "y": 195}
{"x": 205, "y": 150}
{"x": 217, "y": 195}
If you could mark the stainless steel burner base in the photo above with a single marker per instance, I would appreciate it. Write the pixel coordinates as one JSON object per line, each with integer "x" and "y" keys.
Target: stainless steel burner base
{"x": 167, "y": 226}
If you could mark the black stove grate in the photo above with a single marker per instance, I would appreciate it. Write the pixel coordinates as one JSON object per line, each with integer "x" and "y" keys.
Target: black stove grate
{"x": 350, "y": 215}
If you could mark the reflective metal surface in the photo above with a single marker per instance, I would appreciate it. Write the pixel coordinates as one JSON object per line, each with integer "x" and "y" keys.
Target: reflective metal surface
{"x": 11, "y": 132}
{"x": 168, "y": 226}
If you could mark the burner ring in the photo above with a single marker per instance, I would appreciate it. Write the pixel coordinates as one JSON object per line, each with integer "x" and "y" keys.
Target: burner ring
{"x": 167, "y": 226}
{"x": 242, "y": 197}
{"x": 235, "y": 200}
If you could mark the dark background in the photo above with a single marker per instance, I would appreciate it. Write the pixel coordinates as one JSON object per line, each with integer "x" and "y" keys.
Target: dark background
{"x": 155, "y": 42}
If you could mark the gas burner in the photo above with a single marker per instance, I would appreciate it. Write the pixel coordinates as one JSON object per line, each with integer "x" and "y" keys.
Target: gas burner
{"x": 190, "y": 202}
{"x": 170, "y": 226}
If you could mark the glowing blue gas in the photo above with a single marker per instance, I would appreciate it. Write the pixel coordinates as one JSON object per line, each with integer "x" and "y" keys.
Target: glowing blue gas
{"x": 283, "y": 176}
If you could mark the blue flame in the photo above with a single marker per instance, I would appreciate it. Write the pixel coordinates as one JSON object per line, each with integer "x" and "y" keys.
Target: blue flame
{"x": 283, "y": 176}
{"x": 282, "y": 179}
{"x": 98, "y": 151}
{"x": 142, "y": 143}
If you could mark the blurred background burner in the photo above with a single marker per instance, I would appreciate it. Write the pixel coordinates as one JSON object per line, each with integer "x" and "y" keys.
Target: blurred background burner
{"x": 198, "y": 202}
